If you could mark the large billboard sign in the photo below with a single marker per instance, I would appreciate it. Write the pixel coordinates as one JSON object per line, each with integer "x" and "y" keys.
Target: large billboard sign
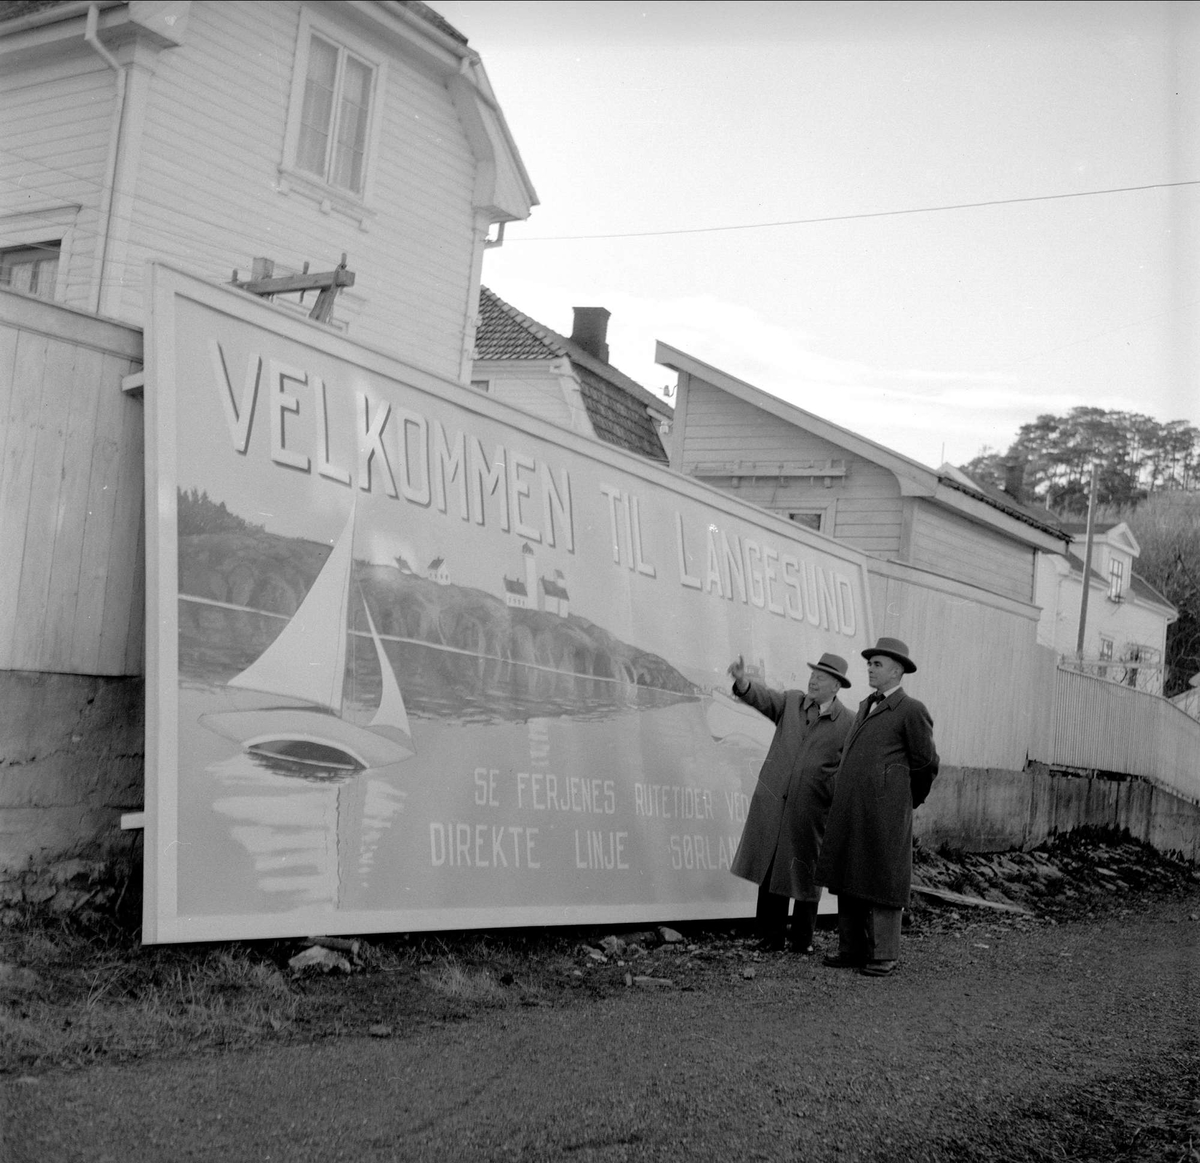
{"x": 418, "y": 661}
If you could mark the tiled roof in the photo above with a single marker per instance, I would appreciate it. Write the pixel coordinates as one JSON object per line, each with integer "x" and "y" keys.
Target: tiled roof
{"x": 617, "y": 417}
{"x": 1137, "y": 585}
{"x": 616, "y": 405}
{"x": 998, "y": 499}
{"x": 504, "y": 333}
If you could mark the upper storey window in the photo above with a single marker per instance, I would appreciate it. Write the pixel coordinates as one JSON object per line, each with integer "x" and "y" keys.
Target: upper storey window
{"x": 335, "y": 115}
{"x": 1116, "y": 579}
{"x": 332, "y": 139}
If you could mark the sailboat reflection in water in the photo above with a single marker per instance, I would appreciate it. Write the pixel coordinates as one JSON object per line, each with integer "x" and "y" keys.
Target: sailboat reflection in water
{"x": 307, "y": 663}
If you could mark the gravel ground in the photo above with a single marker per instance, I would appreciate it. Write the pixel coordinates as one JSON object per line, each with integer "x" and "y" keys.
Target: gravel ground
{"x": 1071, "y": 1033}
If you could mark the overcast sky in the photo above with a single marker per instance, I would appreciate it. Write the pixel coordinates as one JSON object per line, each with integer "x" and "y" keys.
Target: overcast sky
{"x": 933, "y": 333}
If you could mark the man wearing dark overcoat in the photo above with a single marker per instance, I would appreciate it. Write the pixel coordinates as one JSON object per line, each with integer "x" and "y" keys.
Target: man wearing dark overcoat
{"x": 888, "y": 764}
{"x": 782, "y": 837}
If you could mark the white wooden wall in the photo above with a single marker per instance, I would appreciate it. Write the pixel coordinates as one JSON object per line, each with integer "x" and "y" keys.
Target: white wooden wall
{"x": 981, "y": 673}
{"x": 71, "y": 514}
{"x": 720, "y": 428}
{"x": 54, "y": 139}
{"x": 956, "y": 547}
{"x": 207, "y": 192}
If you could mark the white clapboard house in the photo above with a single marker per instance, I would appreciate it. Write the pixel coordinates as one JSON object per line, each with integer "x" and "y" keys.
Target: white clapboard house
{"x": 214, "y": 133}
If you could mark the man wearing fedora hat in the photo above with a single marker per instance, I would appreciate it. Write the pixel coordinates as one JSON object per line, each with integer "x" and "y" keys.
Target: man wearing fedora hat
{"x": 782, "y": 837}
{"x": 888, "y": 764}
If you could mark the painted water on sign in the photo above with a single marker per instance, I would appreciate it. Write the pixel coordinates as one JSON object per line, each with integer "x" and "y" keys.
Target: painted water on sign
{"x": 542, "y": 811}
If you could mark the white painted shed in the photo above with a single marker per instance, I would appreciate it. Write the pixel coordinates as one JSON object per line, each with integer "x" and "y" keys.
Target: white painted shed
{"x": 788, "y": 460}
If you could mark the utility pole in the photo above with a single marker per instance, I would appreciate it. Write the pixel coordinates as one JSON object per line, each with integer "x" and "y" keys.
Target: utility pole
{"x": 1087, "y": 565}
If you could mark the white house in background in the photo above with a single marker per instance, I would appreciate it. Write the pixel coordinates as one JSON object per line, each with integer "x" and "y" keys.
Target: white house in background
{"x": 566, "y": 380}
{"x": 210, "y": 133}
{"x": 436, "y": 571}
{"x": 1189, "y": 701}
{"x": 1125, "y": 634}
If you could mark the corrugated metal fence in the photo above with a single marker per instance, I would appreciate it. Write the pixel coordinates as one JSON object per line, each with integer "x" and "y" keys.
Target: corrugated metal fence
{"x": 1109, "y": 727}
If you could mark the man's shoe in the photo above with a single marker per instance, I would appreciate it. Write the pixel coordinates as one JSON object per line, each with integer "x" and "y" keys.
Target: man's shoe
{"x": 840, "y": 961}
{"x": 878, "y": 969}
{"x": 800, "y": 950}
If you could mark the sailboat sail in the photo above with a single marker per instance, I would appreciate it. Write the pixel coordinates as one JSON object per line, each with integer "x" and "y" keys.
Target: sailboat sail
{"x": 391, "y": 719}
{"x": 308, "y": 659}
{"x": 307, "y": 662}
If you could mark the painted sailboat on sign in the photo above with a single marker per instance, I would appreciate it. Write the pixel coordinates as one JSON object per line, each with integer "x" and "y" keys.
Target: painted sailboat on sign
{"x": 307, "y": 663}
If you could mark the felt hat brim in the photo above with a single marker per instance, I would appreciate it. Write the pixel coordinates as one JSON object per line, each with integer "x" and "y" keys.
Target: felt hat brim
{"x": 910, "y": 667}
{"x": 842, "y": 679}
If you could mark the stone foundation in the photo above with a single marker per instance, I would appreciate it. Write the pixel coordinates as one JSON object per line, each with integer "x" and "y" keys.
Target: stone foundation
{"x": 71, "y": 761}
{"x": 986, "y": 810}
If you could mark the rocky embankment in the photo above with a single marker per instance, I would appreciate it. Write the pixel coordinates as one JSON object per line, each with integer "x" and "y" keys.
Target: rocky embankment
{"x": 1080, "y": 872}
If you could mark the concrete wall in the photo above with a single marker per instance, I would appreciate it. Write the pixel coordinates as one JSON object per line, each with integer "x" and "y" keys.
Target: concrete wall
{"x": 71, "y": 761}
{"x": 989, "y": 810}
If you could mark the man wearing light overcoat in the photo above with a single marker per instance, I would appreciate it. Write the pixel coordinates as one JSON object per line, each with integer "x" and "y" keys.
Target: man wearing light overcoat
{"x": 888, "y": 764}
{"x": 782, "y": 837}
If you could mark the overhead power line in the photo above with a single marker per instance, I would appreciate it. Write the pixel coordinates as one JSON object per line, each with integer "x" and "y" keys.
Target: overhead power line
{"x": 852, "y": 217}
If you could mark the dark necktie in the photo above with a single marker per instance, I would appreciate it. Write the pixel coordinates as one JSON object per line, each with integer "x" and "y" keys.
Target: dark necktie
{"x": 876, "y": 698}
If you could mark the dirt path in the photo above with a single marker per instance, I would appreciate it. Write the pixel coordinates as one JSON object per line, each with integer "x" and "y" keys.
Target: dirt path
{"x": 1078, "y": 1041}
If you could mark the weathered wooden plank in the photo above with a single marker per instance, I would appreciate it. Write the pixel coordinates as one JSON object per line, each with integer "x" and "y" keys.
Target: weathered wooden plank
{"x": 8, "y": 366}
{"x": 135, "y": 642}
{"x": 120, "y": 583}
{"x": 974, "y": 902}
{"x": 46, "y": 482}
{"x": 102, "y": 507}
{"x": 63, "y": 630}
{"x": 16, "y": 481}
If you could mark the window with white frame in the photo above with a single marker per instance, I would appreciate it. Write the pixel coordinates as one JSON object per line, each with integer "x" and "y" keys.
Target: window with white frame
{"x": 33, "y": 269}
{"x": 335, "y": 115}
{"x": 1106, "y": 649}
{"x": 333, "y": 118}
{"x": 1116, "y": 579}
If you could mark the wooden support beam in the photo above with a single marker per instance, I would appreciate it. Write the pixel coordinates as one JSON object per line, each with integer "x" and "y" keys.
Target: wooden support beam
{"x": 264, "y": 282}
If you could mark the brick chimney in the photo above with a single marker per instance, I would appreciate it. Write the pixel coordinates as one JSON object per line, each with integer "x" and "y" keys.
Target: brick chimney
{"x": 1014, "y": 480}
{"x": 590, "y": 331}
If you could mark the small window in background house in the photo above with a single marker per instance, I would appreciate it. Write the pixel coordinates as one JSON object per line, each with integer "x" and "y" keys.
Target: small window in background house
{"x": 482, "y": 385}
{"x": 808, "y": 520}
{"x": 1116, "y": 579}
{"x": 335, "y": 116}
{"x": 32, "y": 270}
{"x": 1106, "y": 649}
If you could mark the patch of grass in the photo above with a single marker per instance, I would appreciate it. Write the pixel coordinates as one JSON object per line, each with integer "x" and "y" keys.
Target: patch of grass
{"x": 453, "y": 980}
{"x": 92, "y": 1000}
